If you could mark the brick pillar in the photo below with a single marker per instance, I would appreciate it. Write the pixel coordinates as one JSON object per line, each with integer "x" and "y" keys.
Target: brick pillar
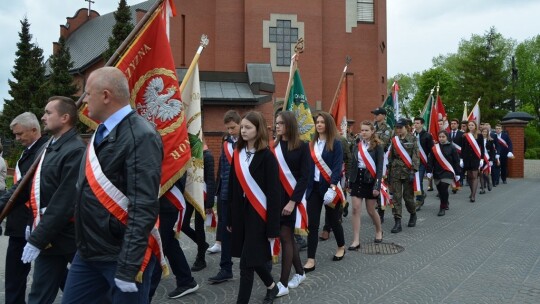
{"x": 516, "y": 131}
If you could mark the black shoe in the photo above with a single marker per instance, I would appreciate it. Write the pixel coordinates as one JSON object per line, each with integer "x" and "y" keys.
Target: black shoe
{"x": 339, "y": 258}
{"x": 346, "y": 209}
{"x": 379, "y": 240}
{"x": 412, "y": 220}
{"x": 472, "y": 200}
{"x": 221, "y": 277}
{"x": 354, "y": 248}
{"x": 482, "y": 191}
{"x": 397, "y": 226}
{"x": 271, "y": 295}
{"x": 309, "y": 269}
{"x": 504, "y": 182}
{"x": 430, "y": 189}
{"x": 441, "y": 212}
{"x": 454, "y": 191}
{"x": 199, "y": 264}
{"x": 183, "y": 290}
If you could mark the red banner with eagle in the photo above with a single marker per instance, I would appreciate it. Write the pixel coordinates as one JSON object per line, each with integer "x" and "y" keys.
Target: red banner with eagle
{"x": 149, "y": 67}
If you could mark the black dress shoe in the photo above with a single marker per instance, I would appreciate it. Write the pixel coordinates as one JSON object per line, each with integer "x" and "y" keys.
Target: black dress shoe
{"x": 339, "y": 258}
{"x": 221, "y": 277}
{"x": 376, "y": 240}
{"x": 271, "y": 295}
{"x": 441, "y": 212}
{"x": 309, "y": 269}
{"x": 354, "y": 248}
{"x": 198, "y": 265}
{"x": 472, "y": 200}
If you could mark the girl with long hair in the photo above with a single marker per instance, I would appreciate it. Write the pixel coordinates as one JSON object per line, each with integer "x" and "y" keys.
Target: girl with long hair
{"x": 293, "y": 158}
{"x": 489, "y": 157}
{"x": 365, "y": 180}
{"x": 253, "y": 215}
{"x": 324, "y": 188}
{"x": 472, "y": 153}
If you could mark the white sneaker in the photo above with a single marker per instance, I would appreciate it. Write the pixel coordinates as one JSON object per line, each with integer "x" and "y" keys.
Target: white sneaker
{"x": 214, "y": 249}
{"x": 296, "y": 280}
{"x": 282, "y": 290}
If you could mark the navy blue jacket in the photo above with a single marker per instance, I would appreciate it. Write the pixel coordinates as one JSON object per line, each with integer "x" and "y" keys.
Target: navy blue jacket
{"x": 334, "y": 160}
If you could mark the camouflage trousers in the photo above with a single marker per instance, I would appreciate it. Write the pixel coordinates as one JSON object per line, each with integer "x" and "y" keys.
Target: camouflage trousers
{"x": 402, "y": 189}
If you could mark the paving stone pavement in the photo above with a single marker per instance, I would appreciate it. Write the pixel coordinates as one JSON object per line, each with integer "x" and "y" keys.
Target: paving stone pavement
{"x": 483, "y": 252}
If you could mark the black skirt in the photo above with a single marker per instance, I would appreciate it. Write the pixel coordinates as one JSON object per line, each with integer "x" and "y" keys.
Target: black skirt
{"x": 360, "y": 189}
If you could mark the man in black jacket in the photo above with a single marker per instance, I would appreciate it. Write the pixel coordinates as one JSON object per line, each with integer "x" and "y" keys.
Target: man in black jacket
{"x": 51, "y": 242}
{"x": 456, "y": 137}
{"x": 117, "y": 203}
{"x": 27, "y": 132}
{"x": 425, "y": 141}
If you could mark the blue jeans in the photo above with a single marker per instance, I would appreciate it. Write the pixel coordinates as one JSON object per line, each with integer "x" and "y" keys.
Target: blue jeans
{"x": 421, "y": 172}
{"x": 226, "y": 261}
{"x": 93, "y": 282}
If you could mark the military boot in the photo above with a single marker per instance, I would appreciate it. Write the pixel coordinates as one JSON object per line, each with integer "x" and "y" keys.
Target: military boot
{"x": 397, "y": 226}
{"x": 412, "y": 220}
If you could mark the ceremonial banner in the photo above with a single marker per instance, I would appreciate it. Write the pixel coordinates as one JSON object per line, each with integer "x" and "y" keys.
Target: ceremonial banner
{"x": 298, "y": 104}
{"x": 475, "y": 114}
{"x": 426, "y": 112}
{"x": 339, "y": 106}
{"x": 395, "y": 97}
{"x": 149, "y": 67}
{"x": 388, "y": 105}
{"x": 191, "y": 97}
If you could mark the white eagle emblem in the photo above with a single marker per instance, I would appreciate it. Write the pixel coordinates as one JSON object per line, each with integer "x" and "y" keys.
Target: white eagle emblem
{"x": 158, "y": 105}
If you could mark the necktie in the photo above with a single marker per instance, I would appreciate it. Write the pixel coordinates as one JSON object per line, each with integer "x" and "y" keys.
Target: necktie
{"x": 453, "y": 134}
{"x": 100, "y": 132}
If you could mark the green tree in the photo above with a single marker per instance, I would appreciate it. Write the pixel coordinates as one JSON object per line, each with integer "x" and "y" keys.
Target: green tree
{"x": 60, "y": 81}
{"x": 481, "y": 68}
{"x": 121, "y": 29}
{"x": 27, "y": 87}
{"x": 407, "y": 90}
{"x": 528, "y": 84}
{"x": 429, "y": 80}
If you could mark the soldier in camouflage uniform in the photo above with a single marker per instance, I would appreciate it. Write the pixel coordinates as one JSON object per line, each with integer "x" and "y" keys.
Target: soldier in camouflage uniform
{"x": 381, "y": 128}
{"x": 401, "y": 176}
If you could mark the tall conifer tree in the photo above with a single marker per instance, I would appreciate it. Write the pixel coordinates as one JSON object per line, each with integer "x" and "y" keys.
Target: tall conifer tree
{"x": 121, "y": 29}
{"x": 60, "y": 81}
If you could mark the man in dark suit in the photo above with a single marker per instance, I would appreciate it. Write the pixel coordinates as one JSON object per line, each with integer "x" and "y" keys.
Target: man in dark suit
{"x": 113, "y": 228}
{"x": 425, "y": 141}
{"x": 52, "y": 238}
{"x": 27, "y": 132}
{"x": 456, "y": 137}
{"x": 505, "y": 151}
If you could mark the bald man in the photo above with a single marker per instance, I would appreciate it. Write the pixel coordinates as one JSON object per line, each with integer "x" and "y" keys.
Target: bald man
{"x": 123, "y": 160}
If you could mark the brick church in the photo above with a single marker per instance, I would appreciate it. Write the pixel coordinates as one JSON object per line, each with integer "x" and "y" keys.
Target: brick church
{"x": 246, "y": 64}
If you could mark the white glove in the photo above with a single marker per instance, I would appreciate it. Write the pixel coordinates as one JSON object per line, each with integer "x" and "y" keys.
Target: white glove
{"x": 125, "y": 286}
{"x": 429, "y": 175}
{"x": 481, "y": 163}
{"x": 30, "y": 253}
{"x": 27, "y": 233}
{"x": 497, "y": 156}
{"x": 490, "y": 163}
{"x": 510, "y": 155}
{"x": 457, "y": 178}
{"x": 461, "y": 162}
{"x": 329, "y": 196}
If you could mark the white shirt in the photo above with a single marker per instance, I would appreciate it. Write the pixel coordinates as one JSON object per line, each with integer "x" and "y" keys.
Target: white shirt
{"x": 361, "y": 163}
{"x": 320, "y": 144}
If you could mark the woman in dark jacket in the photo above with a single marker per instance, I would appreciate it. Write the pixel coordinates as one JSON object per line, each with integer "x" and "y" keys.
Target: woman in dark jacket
{"x": 293, "y": 158}
{"x": 365, "y": 174}
{"x": 489, "y": 157}
{"x": 326, "y": 162}
{"x": 254, "y": 193}
{"x": 443, "y": 165}
{"x": 472, "y": 152}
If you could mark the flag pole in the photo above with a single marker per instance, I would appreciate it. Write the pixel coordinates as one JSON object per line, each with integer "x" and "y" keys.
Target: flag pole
{"x": 127, "y": 42}
{"x": 343, "y": 75}
{"x": 202, "y": 45}
{"x": 298, "y": 48}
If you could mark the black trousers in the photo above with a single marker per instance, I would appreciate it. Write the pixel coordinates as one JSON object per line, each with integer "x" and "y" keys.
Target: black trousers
{"x": 247, "y": 277}
{"x": 504, "y": 168}
{"x": 16, "y": 271}
{"x": 173, "y": 252}
{"x": 198, "y": 236}
{"x": 442, "y": 188}
{"x": 314, "y": 209}
{"x": 50, "y": 274}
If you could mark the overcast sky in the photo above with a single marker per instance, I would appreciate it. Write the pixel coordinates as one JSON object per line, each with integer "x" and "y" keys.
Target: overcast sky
{"x": 418, "y": 30}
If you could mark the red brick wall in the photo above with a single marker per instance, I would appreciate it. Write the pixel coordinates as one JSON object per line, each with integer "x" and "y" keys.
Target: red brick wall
{"x": 516, "y": 131}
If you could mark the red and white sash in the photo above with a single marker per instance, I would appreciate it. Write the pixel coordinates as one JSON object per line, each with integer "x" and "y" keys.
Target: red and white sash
{"x": 458, "y": 147}
{"x": 368, "y": 160}
{"x": 502, "y": 141}
{"x": 406, "y": 158}
{"x": 35, "y": 194}
{"x": 228, "y": 150}
{"x": 289, "y": 183}
{"x": 474, "y": 144}
{"x": 117, "y": 204}
{"x": 253, "y": 191}
{"x": 422, "y": 154}
{"x": 445, "y": 164}
{"x": 175, "y": 196}
{"x": 326, "y": 173}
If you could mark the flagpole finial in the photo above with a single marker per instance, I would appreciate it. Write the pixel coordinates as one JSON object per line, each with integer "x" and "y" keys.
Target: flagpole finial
{"x": 299, "y": 47}
{"x": 348, "y": 60}
{"x": 431, "y": 92}
{"x": 204, "y": 40}
{"x": 438, "y": 86}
